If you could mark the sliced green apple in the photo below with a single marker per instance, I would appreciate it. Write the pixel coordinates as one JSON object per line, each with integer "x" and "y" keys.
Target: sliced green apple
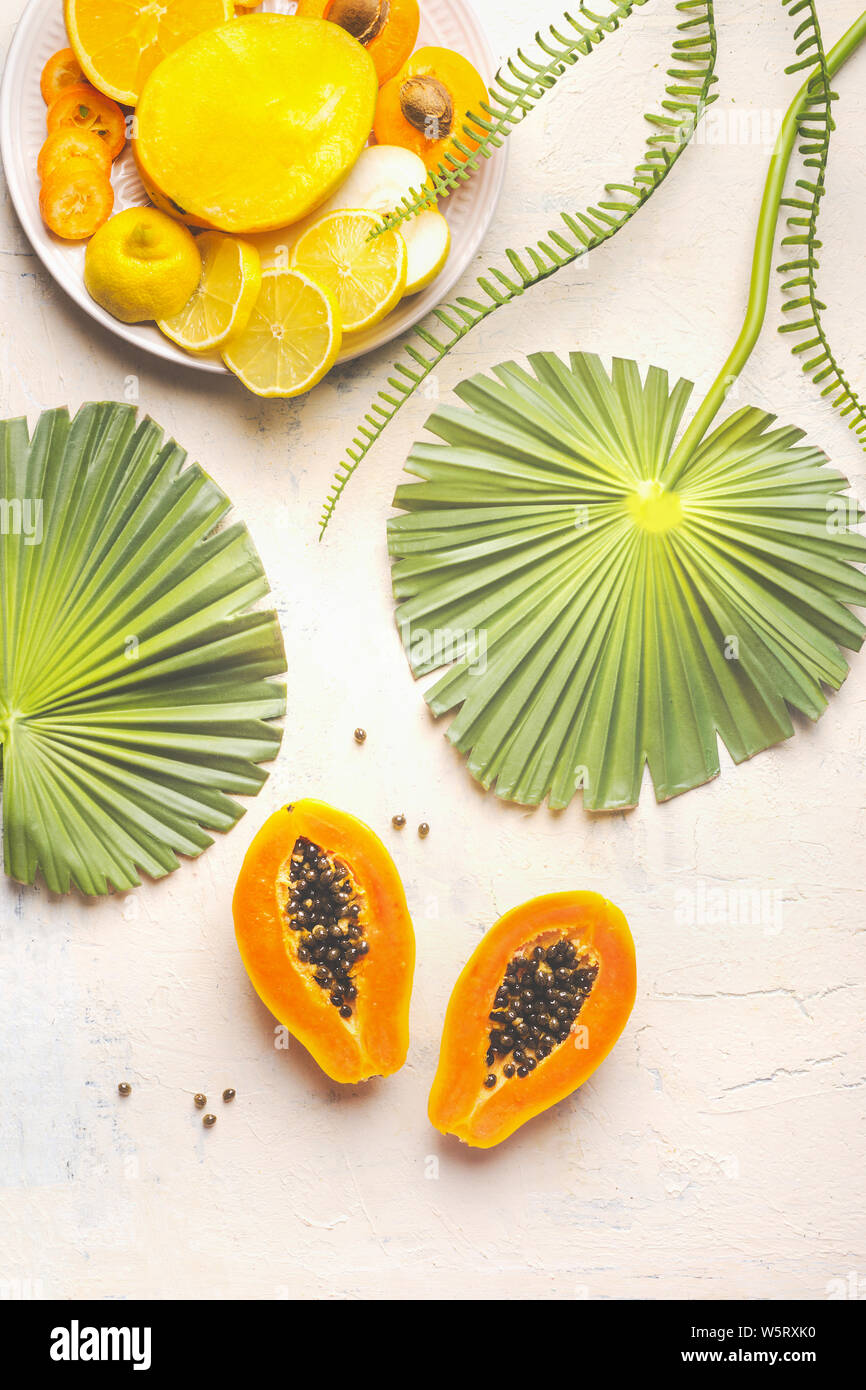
{"x": 428, "y": 242}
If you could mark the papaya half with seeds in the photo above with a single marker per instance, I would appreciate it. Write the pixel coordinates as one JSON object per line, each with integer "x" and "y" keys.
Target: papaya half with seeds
{"x": 326, "y": 938}
{"x": 540, "y": 1004}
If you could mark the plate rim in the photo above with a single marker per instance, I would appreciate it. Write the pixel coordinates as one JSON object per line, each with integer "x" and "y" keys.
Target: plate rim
{"x": 10, "y": 135}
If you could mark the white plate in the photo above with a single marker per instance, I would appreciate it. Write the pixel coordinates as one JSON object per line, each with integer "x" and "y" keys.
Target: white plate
{"x": 41, "y": 31}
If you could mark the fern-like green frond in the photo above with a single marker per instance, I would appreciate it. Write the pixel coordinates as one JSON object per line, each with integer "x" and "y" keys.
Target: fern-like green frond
{"x": 518, "y": 87}
{"x": 688, "y": 93}
{"x": 804, "y": 307}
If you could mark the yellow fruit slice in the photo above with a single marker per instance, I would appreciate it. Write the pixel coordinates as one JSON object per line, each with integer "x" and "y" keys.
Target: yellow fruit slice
{"x": 118, "y": 44}
{"x": 292, "y": 338}
{"x": 231, "y": 278}
{"x": 366, "y": 277}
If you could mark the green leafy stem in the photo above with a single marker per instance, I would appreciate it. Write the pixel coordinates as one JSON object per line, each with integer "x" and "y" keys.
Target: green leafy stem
{"x": 688, "y": 93}
{"x": 517, "y": 88}
{"x": 816, "y": 124}
{"x": 796, "y": 122}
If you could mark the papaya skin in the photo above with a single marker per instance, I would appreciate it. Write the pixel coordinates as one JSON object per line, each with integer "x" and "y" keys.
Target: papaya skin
{"x": 459, "y": 1104}
{"x": 375, "y": 1040}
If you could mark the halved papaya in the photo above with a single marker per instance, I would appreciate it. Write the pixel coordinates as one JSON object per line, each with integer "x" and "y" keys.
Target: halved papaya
{"x": 540, "y": 1004}
{"x": 326, "y": 938}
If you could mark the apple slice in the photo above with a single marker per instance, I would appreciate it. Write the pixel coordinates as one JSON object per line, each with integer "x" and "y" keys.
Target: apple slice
{"x": 428, "y": 242}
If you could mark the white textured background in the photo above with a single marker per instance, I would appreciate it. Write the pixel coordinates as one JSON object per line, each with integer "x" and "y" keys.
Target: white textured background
{"x": 720, "y": 1149}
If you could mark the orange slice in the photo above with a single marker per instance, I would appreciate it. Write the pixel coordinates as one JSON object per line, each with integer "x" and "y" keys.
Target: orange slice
{"x": 83, "y": 108}
{"x": 119, "y": 44}
{"x": 76, "y": 202}
{"x": 61, "y": 71}
{"x": 70, "y": 143}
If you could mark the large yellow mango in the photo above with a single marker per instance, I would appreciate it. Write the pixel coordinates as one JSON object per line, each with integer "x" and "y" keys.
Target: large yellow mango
{"x": 253, "y": 124}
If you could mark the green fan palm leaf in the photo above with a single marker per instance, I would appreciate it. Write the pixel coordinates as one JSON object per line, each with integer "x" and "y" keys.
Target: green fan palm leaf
{"x": 135, "y": 692}
{"x": 609, "y": 593}
{"x": 622, "y": 623}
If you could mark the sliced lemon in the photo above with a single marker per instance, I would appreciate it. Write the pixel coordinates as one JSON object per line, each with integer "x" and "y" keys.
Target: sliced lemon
{"x": 292, "y": 338}
{"x": 366, "y": 277}
{"x": 119, "y": 44}
{"x": 231, "y": 277}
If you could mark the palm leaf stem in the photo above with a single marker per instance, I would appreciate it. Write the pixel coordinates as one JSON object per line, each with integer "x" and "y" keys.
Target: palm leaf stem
{"x": 763, "y": 255}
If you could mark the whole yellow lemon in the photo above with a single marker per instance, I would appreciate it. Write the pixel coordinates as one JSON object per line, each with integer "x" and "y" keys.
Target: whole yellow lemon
{"x": 142, "y": 265}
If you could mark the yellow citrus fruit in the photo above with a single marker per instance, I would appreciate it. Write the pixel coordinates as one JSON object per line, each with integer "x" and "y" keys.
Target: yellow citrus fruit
{"x": 119, "y": 44}
{"x": 142, "y": 265}
{"x": 366, "y": 277}
{"x": 231, "y": 277}
{"x": 292, "y": 338}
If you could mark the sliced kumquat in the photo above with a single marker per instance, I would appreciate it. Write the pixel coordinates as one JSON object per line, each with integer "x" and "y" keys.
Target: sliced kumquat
{"x": 83, "y": 108}
{"x": 75, "y": 204}
{"x": 71, "y": 143}
{"x": 75, "y": 165}
{"x": 61, "y": 71}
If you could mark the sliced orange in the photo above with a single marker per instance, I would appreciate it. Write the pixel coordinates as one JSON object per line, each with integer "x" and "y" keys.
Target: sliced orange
{"x": 61, "y": 71}
{"x": 71, "y": 143}
{"x": 83, "y": 108}
{"x": 75, "y": 202}
{"x": 119, "y": 44}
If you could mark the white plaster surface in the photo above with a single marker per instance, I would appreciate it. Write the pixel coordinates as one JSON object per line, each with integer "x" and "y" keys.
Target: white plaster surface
{"x": 719, "y": 1151}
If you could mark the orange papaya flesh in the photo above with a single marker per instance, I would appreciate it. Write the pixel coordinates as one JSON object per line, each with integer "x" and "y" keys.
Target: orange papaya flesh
{"x": 541, "y": 1002}
{"x": 325, "y": 935}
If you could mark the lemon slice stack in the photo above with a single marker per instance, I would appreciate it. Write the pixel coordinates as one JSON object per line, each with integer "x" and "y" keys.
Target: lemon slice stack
{"x": 281, "y": 329}
{"x": 340, "y": 282}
